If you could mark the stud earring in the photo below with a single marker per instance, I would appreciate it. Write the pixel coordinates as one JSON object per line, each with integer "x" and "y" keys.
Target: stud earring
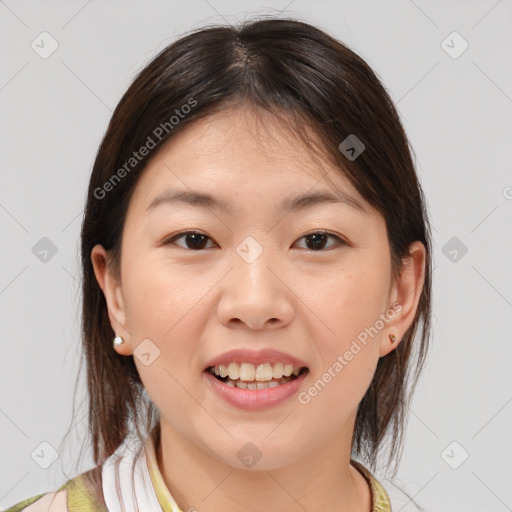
{"x": 392, "y": 338}
{"x": 118, "y": 340}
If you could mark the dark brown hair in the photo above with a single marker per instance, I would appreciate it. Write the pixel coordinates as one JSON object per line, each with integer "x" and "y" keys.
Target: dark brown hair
{"x": 295, "y": 72}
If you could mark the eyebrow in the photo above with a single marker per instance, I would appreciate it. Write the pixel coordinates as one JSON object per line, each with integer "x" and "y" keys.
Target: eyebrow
{"x": 301, "y": 202}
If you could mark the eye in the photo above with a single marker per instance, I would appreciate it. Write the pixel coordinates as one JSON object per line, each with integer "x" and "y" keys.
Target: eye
{"x": 194, "y": 238}
{"x": 317, "y": 240}
{"x": 197, "y": 241}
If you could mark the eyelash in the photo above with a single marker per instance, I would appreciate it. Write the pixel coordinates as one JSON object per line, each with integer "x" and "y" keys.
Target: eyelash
{"x": 320, "y": 232}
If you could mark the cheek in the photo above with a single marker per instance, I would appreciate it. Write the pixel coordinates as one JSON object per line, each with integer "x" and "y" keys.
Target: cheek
{"x": 350, "y": 300}
{"x": 347, "y": 355}
{"x": 159, "y": 317}
{"x": 158, "y": 294}
{"x": 334, "y": 395}
{"x": 350, "y": 305}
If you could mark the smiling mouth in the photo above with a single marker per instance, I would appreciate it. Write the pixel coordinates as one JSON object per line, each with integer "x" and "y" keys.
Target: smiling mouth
{"x": 257, "y": 384}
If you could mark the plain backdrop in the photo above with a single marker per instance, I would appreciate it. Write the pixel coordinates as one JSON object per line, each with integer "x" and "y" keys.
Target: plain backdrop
{"x": 448, "y": 68}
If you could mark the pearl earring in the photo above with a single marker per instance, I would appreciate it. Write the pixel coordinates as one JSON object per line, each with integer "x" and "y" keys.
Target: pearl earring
{"x": 118, "y": 340}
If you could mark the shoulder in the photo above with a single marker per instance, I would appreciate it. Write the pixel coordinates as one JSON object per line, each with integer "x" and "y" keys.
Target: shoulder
{"x": 82, "y": 493}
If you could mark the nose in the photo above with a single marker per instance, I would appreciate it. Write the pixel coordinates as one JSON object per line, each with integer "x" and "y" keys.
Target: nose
{"x": 255, "y": 295}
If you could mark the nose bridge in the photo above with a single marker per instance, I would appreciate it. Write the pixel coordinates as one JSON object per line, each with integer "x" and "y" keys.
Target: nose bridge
{"x": 252, "y": 262}
{"x": 253, "y": 293}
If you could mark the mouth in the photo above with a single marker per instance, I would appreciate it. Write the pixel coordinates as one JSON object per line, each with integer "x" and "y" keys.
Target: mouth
{"x": 256, "y": 377}
{"x": 255, "y": 387}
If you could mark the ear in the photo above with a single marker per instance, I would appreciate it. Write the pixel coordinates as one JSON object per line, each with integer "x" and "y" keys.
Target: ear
{"x": 113, "y": 292}
{"x": 405, "y": 296}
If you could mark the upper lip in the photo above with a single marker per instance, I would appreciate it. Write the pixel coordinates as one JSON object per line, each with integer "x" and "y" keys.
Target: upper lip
{"x": 255, "y": 357}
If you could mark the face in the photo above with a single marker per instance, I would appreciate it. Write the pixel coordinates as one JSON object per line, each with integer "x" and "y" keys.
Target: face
{"x": 311, "y": 280}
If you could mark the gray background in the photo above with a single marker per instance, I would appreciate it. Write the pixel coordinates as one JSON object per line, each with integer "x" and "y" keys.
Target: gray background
{"x": 457, "y": 112}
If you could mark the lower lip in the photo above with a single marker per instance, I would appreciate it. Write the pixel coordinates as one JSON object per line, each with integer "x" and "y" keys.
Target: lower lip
{"x": 255, "y": 399}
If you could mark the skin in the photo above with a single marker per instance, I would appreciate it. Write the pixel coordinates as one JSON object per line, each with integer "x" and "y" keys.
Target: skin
{"x": 196, "y": 304}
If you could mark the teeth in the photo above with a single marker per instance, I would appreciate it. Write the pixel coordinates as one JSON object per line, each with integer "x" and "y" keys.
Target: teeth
{"x": 233, "y": 371}
{"x": 247, "y": 371}
{"x": 278, "y": 371}
{"x": 256, "y": 385}
{"x": 288, "y": 370}
{"x": 264, "y": 372}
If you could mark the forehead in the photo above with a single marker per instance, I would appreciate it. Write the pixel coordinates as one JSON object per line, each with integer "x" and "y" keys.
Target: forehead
{"x": 240, "y": 150}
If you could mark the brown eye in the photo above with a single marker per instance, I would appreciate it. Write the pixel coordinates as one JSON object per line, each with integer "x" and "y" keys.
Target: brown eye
{"x": 316, "y": 241}
{"x": 193, "y": 240}
{"x": 197, "y": 241}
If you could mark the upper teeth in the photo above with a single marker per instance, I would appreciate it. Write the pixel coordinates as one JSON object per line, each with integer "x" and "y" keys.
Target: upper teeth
{"x": 251, "y": 372}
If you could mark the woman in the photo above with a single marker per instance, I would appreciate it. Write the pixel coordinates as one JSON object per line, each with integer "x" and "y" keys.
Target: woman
{"x": 256, "y": 245}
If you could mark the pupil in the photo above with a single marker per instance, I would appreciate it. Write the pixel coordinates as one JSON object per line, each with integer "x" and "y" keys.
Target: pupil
{"x": 197, "y": 243}
{"x": 317, "y": 243}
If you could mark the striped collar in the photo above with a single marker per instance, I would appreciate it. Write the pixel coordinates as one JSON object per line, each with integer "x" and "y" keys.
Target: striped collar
{"x": 167, "y": 502}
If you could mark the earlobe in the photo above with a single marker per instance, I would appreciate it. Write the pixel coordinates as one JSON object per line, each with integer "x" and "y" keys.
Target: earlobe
{"x": 407, "y": 291}
{"x": 113, "y": 293}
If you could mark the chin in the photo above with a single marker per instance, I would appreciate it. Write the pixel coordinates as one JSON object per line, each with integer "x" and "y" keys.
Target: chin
{"x": 258, "y": 454}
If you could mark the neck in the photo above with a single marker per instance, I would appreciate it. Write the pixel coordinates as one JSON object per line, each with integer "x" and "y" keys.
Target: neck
{"x": 324, "y": 481}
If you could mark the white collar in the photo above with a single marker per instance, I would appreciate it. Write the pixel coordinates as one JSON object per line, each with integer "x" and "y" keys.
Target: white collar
{"x": 127, "y": 491}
